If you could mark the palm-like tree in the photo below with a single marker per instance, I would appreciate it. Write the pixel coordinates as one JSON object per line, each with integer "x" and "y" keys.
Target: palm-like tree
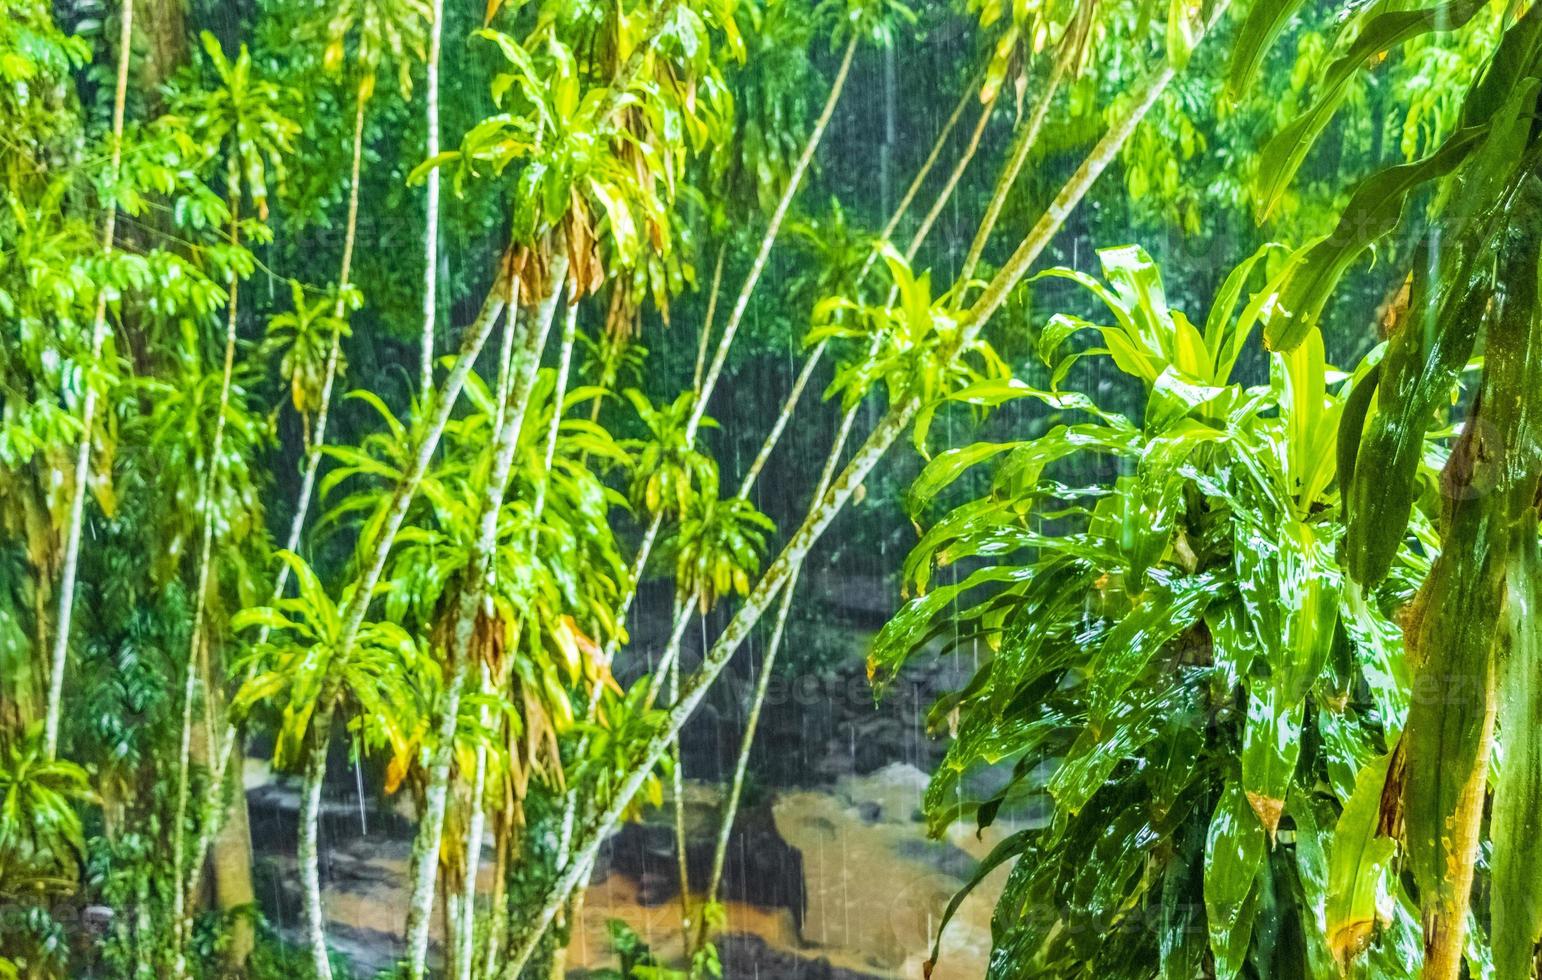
{"x": 241, "y": 117}
{"x": 303, "y": 671}
{"x": 303, "y": 335}
{"x": 715, "y": 551}
{"x": 555, "y": 566}
{"x": 298, "y": 656}
{"x": 669, "y": 472}
{"x": 718, "y": 548}
{"x": 88, "y": 409}
{"x": 378, "y": 29}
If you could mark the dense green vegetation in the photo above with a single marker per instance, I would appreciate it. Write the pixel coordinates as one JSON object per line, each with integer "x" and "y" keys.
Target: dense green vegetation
{"x": 366, "y": 363}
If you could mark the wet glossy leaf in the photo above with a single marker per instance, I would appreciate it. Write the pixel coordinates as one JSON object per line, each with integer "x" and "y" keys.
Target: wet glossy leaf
{"x": 1234, "y": 853}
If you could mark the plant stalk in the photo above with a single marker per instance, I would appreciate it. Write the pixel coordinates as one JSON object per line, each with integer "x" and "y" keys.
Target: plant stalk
{"x": 425, "y": 851}
{"x": 70, "y": 568}
{"x": 431, "y": 202}
{"x": 396, "y": 511}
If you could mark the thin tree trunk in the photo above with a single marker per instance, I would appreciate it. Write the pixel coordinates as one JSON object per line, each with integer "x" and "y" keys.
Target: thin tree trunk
{"x": 329, "y": 376}
{"x": 396, "y": 511}
{"x": 466, "y": 924}
{"x": 709, "y": 382}
{"x": 682, "y": 854}
{"x": 706, "y": 327}
{"x": 921, "y": 175}
{"x": 682, "y": 619}
{"x": 790, "y": 405}
{"x": 425, "y": 851}
{"x": 431, "y": 228}
{"x": 1021, "y": 146}
{"x": 308, "y": 851}
{"x": 450, "y": 916}
{"x": 742, "y": 765}
{"x": 231, "y": 749}
{"x": 762, "y": 684}
{"x": 954, "y": 177}
{"x": 473, "y": 847}
{"x": 334, "y": 349}
{"x": 497, "y": 922}
{"x": 200, "y": 599}
{"x": 769, "y": 239}
{"x": 559, "y": 395}
{"x": 889, "y": 428}
{"x": 570, "y": 801}
{"x": 61, "y": 645}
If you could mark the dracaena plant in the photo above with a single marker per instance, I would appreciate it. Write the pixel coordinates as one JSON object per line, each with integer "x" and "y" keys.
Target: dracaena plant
{"x": 919, "y": 347}
{"x": 1472, "y": 286}
{"x": 554, "y": 577}
{"x": 301, "y": 336}
{"x": 287, "y": 673}
{"x": 1176, "y": 678}
{"x": 42, "y": 842}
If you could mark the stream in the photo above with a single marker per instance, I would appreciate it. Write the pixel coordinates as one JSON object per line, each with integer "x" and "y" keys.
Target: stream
{"x": 873, "y": 886}
{"x": 830, "y": 872}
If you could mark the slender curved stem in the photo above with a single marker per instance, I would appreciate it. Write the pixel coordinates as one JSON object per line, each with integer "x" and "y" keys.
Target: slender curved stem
{"x": 425, "y": 851}
{"x": 954, "y": 177}
{"x": 201, "y": 596}
{"x": 431, "y": 200}
{"x": 67, "y": 575}
{"x": 758, "y": 266}
{"x": 1022, "y": 143}
{"x": 706, "y": 326}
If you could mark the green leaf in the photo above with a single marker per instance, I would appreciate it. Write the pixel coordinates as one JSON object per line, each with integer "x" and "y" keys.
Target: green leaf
{"x": 1374, "y": 210}
{"x": 1516, "y": 826}
{"x": 1283, "y": 155}
{"x": 1008, "y": 849}
{"x": 1234, "y": 852}
{"x": 1271, "y": 744}
{"x": 1167, "y": 607}
{"x": 1264, "y": 23}
{"x": 1358, "y": 861}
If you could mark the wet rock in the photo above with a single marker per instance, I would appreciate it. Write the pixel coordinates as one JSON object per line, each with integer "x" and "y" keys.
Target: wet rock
{"x": 749, "y": 957}
{"x": 760, "y": 869}
{"x": 941, "y": 855}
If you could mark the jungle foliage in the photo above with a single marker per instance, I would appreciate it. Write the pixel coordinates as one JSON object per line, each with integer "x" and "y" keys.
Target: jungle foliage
{"x": 366, "y": 365}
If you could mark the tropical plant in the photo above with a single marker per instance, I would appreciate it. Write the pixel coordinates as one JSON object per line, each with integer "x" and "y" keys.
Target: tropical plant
{"x": 1471, "y": 621}
{"x": 42, "y": 841}
{"x": 1172, "y": 668}
{"x": 303, "y": 334}
{"x": 290, "y": 665}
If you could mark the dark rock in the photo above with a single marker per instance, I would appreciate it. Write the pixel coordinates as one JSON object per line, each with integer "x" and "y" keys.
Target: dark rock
{"x": 760, "y": 868}
{"x": 945, "y": 857}
{"x": 749, "y": 957}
